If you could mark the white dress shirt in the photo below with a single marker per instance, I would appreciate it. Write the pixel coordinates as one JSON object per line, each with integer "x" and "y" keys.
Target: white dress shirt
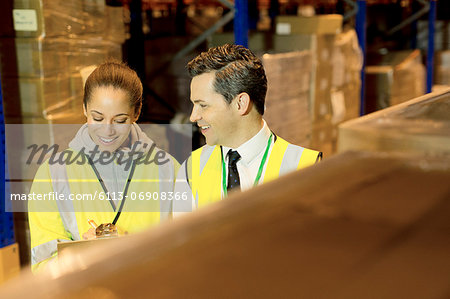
{"x": 252, "y": 152}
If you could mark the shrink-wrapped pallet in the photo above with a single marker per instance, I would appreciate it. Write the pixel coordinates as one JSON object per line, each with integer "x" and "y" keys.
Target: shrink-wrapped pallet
{"x": 90, "y": 50}
{"x": 35, "y": 57}
{"x": 287, "y": 101}
{"x": 337, "y": 87}
{"x": 48, "y": 18}
{"x": 48, "y": 71}
{"x": 35, "y": 94}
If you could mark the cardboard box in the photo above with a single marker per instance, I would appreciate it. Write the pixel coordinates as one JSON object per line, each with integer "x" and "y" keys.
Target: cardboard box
{"x": 324, "y": 138}
{"x": 35, "y": 57}
{"x": 261, "y": 42}
{"x": 359, "y": 225}
{"x": 288, "y": 95}
{"x": 9, "y": 262}
{"x": 320, "y": 24}
{"x": 34, "y": 94}
{"x": 419, "y": 126}
{"x": 73, "y": 246}
{"x": 49, "y": 18}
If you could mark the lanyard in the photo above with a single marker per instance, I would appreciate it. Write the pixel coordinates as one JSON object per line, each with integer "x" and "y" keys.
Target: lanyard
{"x": 130, "y": 175}
{"x": 260, "y": 170}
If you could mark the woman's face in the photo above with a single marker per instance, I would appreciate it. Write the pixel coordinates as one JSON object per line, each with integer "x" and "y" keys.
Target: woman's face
{"x": 109, "y": 117}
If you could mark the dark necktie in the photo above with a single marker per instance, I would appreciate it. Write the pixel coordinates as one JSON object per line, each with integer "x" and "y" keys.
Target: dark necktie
{"x": 233, "y": 176}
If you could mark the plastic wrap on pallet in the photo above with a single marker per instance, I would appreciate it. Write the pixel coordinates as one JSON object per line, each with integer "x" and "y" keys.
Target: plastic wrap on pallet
{"x": 35, "y": 57}
{"x": 48, "y": 70}
{"x": 47, "y": 56}
{"x": 41, "y": 97}
{"x": 410, "y": 78}
{"x": 288, "y": 94}
{"x": 346, "y": 81}
{"x": 36, "y": 94}
{"x": 91, "y": 51}
{"x": 94, "y": 16}
{"x": 34, "y": 18}
{"x": 67, "y": 111}
{"x": 115, "y": 27}
{"x": 336, "y": 89}
{"x": 337, "y": 80}
{"x": 421, "y": 125}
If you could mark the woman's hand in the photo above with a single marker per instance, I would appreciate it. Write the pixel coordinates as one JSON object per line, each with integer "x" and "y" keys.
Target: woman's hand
{"x": 89, "y": 235}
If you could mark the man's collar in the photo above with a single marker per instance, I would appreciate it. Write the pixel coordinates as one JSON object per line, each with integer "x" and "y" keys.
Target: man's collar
{"x": 250, "y": 149}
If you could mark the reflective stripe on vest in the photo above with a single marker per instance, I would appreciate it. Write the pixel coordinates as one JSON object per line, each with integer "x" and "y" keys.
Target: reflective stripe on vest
{"x": 60, "y": 184}
{"x": 206, "y": 167}
{"x": 166, "y": 184}
{"x": 44, "y": 251}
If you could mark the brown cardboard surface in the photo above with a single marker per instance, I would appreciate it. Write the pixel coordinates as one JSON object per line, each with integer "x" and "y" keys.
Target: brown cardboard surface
{"x": 9, "y": 262}
{"x": 76, "y": 246}
{"x": 324, "y": 138}
{"x": 288, "y": 95}
{"x": 357, "y": 225}
{"x": 421, "y": 125}
{"x": 37, "y": 94}
{"x": 53, "y": 17}
{"x": 36, "y": 57}
{"x": 320, "y": 24}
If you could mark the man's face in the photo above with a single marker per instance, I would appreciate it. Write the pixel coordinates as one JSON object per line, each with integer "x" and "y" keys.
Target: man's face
{"x": 216, "y": 118}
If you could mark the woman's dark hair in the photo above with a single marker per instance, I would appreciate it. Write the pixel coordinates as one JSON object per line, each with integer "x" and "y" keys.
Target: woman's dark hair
{"x": 118, "y": 75}
{"x": 237, "y": 70}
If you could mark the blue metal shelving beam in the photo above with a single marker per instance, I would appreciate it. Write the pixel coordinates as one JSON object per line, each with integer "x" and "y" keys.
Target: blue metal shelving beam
{"x": 430, "y": 52}
{"x": 361, "y": 25}
{"x": 6, "y": 218}
{"x": 241, "y": 23}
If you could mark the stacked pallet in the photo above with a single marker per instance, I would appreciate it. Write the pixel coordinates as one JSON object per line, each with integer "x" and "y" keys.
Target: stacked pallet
{"x": 42, "y": 56}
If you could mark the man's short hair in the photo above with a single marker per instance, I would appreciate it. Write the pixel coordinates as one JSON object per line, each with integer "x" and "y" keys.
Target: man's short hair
{"x": 237, "y": 70}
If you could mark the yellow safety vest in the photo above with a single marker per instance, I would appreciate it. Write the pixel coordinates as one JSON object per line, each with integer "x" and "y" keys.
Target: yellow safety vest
{"x": 53, "y": 221}
{"x": 206, "y": 182}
